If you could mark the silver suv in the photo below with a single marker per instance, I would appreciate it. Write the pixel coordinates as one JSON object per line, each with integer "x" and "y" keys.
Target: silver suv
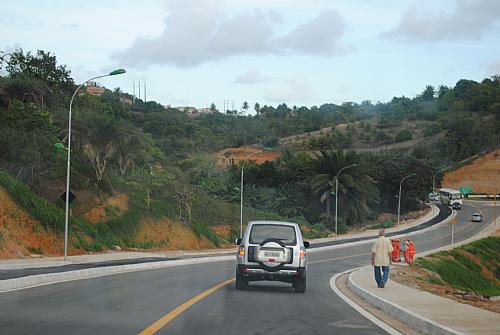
{"x": 272, "y": 250}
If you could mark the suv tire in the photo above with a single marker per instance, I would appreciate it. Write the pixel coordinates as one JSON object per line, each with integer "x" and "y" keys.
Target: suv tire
{"x": 299, "y": 284}
{"x": 241, "y": 282}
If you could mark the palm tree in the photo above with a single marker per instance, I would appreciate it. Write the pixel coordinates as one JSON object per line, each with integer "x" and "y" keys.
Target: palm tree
{"x": 257, "y": 108}
{"x": 245, "y": 107}
{"x": 356, "y": 188}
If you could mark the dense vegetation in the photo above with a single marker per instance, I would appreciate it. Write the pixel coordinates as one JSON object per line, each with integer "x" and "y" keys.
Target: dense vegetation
{"x": 162, "y": 158}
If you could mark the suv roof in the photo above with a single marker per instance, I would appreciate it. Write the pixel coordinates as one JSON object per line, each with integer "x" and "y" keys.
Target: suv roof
{"x": 281, "y": 223}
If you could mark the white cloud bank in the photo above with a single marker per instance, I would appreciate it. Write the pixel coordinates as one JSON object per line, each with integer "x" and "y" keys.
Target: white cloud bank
{"x": 197, "y": 31}
{"x": 469, "y": 20}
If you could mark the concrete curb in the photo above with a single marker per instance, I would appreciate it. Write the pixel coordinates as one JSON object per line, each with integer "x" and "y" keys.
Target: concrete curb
{"x": 361, "y": 310}
{"x": 52, "y": 278}
{"x": 411, "y": 319}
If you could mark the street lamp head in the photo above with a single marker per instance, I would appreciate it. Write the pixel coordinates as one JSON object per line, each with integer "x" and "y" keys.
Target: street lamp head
{"x": 117, "y": 71}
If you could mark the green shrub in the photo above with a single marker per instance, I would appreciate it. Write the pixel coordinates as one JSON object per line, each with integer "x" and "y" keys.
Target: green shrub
{"x": 387, "y": 224}
{"x": 35, "y": 250}
{"x": 403, "y": 135}
{"x": 431, "y": 130}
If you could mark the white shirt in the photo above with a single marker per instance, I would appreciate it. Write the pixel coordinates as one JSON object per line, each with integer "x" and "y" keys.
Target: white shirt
{"x": 382, "y": 247}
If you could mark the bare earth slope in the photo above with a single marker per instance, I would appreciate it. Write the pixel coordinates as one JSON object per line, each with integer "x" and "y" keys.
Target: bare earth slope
{"x": 483, "y": 175}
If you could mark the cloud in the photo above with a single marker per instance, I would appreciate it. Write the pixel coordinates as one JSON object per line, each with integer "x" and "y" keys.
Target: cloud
{"x": 252, "y": 76}
{"x": 493, "y": 68}
{"x": 320, "y": 35}
{"x": 469, "y": 20}
{"x": 198, "y": 31}
{"x": 292, "y": 90}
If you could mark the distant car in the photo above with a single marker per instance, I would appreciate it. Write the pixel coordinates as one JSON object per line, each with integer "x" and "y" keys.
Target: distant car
{"x": 434, "y": 197}
{"x": 456, "y": 205}
{"x": 272, "y": 250}
{"x": 477, "y": 217}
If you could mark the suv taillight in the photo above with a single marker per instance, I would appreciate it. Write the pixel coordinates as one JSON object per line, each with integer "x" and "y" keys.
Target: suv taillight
{"x": 241, "y": 252}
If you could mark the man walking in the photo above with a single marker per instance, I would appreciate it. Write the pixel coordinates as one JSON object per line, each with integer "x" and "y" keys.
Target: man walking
{"x": 381, "y": 258}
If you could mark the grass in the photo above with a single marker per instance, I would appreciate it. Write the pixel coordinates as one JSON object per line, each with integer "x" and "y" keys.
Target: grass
{"x": 35, "y": 250}
{"x": 47, "y": 213}
{"x": 202, "y": 230}
{"x": 472, "y": 267}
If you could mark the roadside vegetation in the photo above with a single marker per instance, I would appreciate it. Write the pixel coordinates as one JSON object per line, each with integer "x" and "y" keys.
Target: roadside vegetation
{"x": 469, "y": 274}
{"x": 473, "y": 267}
{"x": 163, "y": 161}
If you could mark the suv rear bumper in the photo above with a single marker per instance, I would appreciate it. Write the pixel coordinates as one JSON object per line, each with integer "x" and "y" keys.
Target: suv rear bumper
{"x": 254, "y": 272}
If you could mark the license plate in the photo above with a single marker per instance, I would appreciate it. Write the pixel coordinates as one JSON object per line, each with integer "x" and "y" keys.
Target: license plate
{"x": 272, "y": 254}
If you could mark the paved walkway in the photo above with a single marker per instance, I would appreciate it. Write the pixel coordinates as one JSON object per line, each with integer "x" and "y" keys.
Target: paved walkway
{"x": 460, "y": 317}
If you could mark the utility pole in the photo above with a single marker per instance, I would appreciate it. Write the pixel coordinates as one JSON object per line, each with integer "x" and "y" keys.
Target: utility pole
{"x": 145, "y": 100}
{"x": 133, "y": 90}
{"x": 139, "y": 84}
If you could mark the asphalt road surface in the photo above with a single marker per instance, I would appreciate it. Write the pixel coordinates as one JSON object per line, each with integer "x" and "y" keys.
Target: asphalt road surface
{"x": 132, "y": 302}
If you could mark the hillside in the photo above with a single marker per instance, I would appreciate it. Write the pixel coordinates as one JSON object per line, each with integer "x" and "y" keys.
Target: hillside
{"x": 482, "y": 174}
{"x": 148, "y": 176}
{"x": 21, "y": 235}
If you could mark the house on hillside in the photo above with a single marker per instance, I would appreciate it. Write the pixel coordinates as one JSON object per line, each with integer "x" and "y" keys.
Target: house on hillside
{"x": 192, "y": 111}
{"x": 92, "y": 88}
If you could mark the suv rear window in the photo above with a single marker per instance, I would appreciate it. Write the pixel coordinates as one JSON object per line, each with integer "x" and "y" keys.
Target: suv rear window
{"x": 261, "y": 232}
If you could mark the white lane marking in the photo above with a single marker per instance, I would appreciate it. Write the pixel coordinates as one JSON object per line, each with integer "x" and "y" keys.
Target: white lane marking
{"x": 358, "y": 308}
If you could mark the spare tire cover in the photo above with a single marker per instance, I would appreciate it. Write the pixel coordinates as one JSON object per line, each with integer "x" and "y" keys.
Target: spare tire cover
{"x": 272, "y": 243}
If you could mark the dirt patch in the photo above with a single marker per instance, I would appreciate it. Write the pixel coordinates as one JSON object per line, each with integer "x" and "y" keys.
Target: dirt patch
{"x": 483, "y": 175}
{"x": 231, "y": 156}
{"x": 425, "y": 280}
{"x": 112, "y": 206}
{"x": 168, "y": 235}
{"x": 224, "y": 231}
{"x": 22, "y": 236}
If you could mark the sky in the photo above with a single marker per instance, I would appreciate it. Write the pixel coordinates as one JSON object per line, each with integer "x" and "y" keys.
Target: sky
{"x": 300, "y": 52}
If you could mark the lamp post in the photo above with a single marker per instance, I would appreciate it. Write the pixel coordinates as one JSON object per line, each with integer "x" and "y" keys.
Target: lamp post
{"x": 66, "y": 217}
{"x": 337, "y": 191}
{"x": 241, "y": 186}
{"x": 399, "y": 197}
{"x": 434, "y": 178}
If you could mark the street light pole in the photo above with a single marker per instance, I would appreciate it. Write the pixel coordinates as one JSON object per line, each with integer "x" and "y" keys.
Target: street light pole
{"x": 66, "y": 216}
{"x": 399, "y": 197}
{"x": 434, "y": 178}
{"x": 337, "y": 191}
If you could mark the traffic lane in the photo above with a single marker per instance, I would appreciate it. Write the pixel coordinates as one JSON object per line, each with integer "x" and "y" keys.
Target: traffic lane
{"x": 274, "y": 308}
{"x": 132, "y": 301}
{"x": 117, "y": 304}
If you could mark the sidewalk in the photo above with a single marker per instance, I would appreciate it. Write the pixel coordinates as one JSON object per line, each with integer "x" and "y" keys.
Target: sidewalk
{"x": 429, "y": 313}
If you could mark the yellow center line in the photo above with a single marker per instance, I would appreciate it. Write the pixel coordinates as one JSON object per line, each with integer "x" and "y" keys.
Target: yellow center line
{"x": 174, "y": 313}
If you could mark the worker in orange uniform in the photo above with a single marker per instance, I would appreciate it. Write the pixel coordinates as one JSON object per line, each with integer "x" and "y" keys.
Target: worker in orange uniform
{"x": 409, "y": 251}
{"x": 396, "y": 251}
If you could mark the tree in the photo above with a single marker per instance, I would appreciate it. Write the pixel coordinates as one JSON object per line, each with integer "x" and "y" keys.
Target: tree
{"x": 213, "y": 107}
{"x": 245, "y": 107}
{"x": 356, "y": 187}
{"x": 41, "y": 66}
{"x": 257, "y": 108}
{"x": 428, "y": 93}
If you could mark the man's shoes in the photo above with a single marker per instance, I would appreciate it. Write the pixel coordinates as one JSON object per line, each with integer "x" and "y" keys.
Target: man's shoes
{"x": 380, "y": 286}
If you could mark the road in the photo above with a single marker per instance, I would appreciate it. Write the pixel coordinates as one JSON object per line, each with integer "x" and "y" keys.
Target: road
{"x": 131, "y": 302}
